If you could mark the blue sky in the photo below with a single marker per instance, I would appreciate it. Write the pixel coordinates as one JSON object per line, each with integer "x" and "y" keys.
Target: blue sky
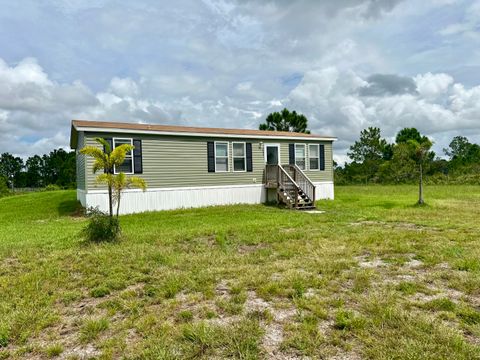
{"x": 345, "y": 64}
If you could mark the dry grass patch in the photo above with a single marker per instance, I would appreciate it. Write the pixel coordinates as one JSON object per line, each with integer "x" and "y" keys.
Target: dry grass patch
{"x": 250, "y": 282}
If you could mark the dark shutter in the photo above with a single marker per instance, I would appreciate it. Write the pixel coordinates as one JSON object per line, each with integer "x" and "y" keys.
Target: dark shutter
{"x": 137, "y": 157}
{"x": 248, "y": 150}
{"x": 211, "y": 156}
{"x": 291, "y": 154}
{"x": 322, "y": 157}
{"x": 110, "y": 142}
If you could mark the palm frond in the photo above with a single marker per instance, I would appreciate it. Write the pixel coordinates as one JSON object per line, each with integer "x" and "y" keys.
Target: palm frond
{"x": 94, "y": 152}
{"x": 137, "y": 182}
{"x": 117, "y": 156}
{"x": 105, "y": 143}
{"x": 120, "y": 181}
{"x": 98, "y": 165}
{"x": 104, "y": 179}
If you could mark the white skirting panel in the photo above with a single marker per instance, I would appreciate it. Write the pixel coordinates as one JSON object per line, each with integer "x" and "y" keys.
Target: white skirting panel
{"x": 324, "y": 190}
{"x": 135, "y": 201}
{"x": 82, "y": 197}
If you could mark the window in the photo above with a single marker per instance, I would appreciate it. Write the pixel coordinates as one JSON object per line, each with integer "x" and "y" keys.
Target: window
{"x": 239, "y": 156}
{"x": 221, "y": 157}
{"x": 127, "y": 166}
{"x": 300, "y": 156}
{"x": 313, "y": 156}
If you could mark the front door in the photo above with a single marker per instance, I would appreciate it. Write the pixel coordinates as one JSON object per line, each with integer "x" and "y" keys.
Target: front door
{"x": 272, "y": 154}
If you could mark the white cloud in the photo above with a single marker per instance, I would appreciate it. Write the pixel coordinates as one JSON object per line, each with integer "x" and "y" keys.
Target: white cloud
{"x": 123, "y": 87}
{"x": 36, "y": 110}
{"x": 433, "y": 85}
{"x": 27, "y": 87}
{"x": 346, "y": 64}
{"x": 331, "y": 100}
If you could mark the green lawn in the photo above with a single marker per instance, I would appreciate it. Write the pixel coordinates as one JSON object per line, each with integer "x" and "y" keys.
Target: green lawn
{"x": 373, "y": 277}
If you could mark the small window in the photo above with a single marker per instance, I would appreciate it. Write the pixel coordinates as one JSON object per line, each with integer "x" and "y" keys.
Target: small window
{"x": 221, "y": 157}
{"x": 313, "y": 156}
{"x": 300, "y": 156}
{"x": 127, "y": 166}
{"x": 239, "y": 157}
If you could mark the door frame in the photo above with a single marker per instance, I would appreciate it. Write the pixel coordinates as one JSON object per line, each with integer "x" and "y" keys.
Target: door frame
{"x": 277, "y": 145}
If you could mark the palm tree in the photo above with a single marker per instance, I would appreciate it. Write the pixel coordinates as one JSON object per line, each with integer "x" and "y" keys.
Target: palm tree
{"x": 421, "y": 150}
{"x": 106, "y": 160}
{"x": 122, "y": 182}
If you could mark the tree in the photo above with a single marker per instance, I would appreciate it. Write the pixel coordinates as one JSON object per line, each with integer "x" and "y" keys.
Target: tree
{"x": 123, "y": 182}
{"x": 34, "y": 166}
{"x": 10, "y": 168}
{"x": 407, "y": 134}
{"x": 107, "y": 160}
{"x": 3, "y": 186}
{"x": 399, "y": 168}
{"x": 370, "y": 151}
{"x": 462, "y": 153}
{"x": 59, "y": 168}
{"x": 371, "y": 146}
{"x": 421, "y": 151}
{"x": 286, "y": 121}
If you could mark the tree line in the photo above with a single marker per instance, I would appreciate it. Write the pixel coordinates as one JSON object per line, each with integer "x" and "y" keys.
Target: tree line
{"x": 374, "y": 160}
{"x": 406, "y": 160}
{"x": 56, "y": 168}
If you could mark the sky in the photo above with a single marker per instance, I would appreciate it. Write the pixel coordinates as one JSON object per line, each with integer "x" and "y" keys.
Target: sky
{"x": 345, "y": 64}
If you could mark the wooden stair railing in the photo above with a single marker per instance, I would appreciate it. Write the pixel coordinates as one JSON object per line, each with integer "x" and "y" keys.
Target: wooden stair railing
{"x": 303, "y": 181}
{"x": 289, "y": 191}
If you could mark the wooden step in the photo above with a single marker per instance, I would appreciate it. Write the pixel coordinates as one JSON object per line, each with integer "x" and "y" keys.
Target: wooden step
{"x": 305, "y": 208}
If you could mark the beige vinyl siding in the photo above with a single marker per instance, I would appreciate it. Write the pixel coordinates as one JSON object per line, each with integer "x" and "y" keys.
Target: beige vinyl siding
{"x": 81, "y": 165}
{"x": 175, "y": 161}
{"x": 314, "y": 175}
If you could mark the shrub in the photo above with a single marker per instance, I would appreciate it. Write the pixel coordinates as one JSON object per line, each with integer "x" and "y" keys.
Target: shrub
{"x": 101, "y": 227}
{"x": 52, "y": 187}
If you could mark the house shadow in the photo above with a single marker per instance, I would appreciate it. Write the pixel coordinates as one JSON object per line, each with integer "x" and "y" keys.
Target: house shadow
{"x": 71, "y": 208}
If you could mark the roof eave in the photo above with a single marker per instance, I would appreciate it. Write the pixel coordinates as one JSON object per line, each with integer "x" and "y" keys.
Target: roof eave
{"x": 198, "y": 134}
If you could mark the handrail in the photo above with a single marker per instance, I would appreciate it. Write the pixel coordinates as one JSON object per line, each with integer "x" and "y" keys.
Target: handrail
{"x": 278, "y": 168}
{"x": 288, "y": 176}
{"x": 282, "y": 173}
{"x": 291, "y": 185}
{"x": 303, "y": 174}
{"x": 306, "y": 184}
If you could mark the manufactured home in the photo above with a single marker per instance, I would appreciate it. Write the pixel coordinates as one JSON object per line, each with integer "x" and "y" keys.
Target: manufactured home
{"x": 193, "y": 166}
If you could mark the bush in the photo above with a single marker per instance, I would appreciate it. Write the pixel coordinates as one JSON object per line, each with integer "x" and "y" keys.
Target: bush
{"x": 101, "y": 227}
{"x": 52, "y": 187}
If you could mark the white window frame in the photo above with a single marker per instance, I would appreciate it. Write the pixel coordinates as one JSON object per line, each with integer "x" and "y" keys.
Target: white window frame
{"x": 131, "y": 155}
{"x": 215, "y": 156}
{"x": 318, "y": 157}
{"x": 238, "y": 157}
{"x": 305, "y": 154}
{"x": 265, "y": 145}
